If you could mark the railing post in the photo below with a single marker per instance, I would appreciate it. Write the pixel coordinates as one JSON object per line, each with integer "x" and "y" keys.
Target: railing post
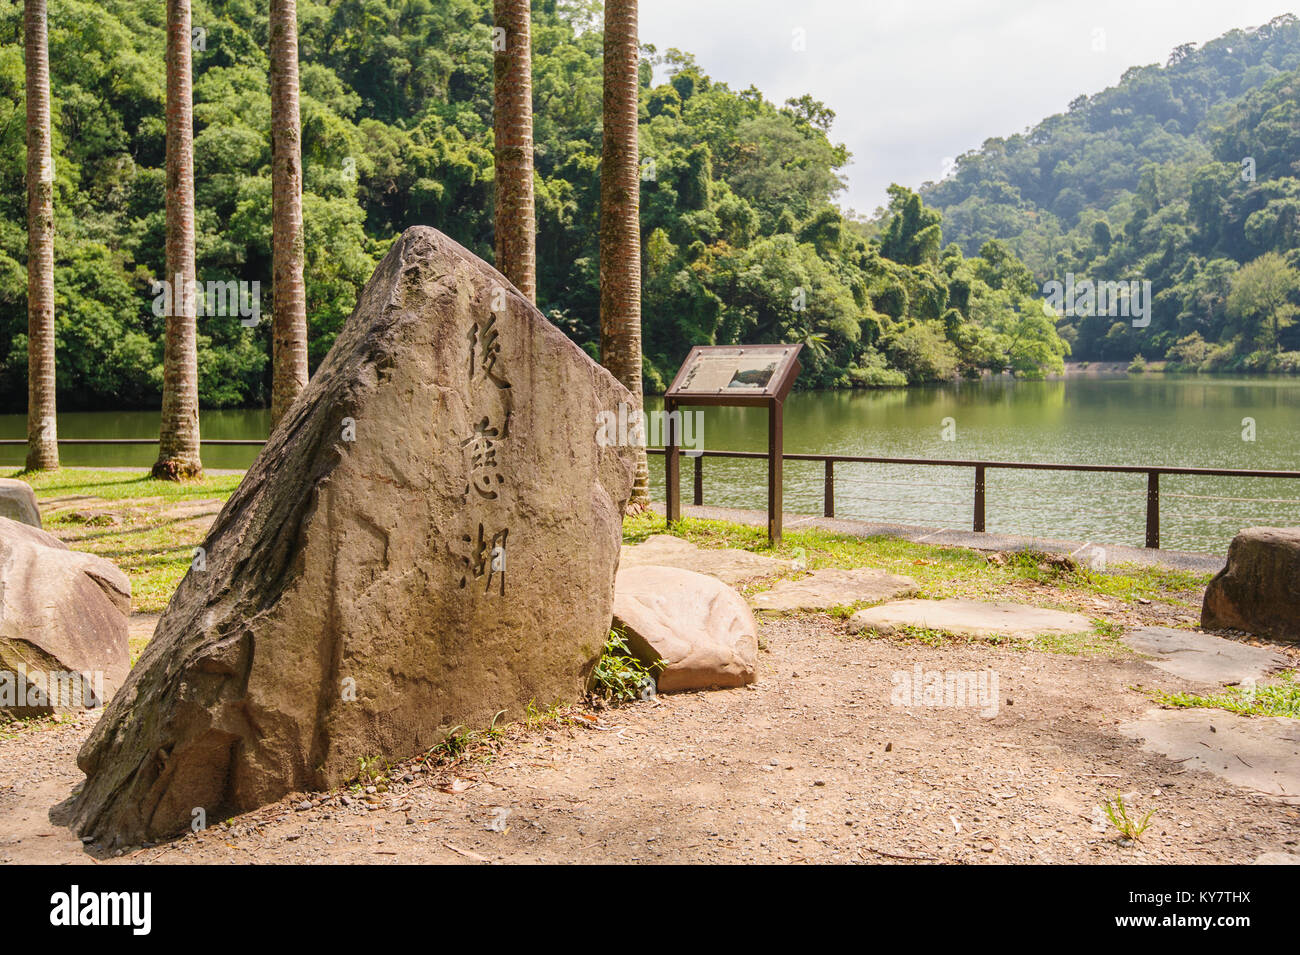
{"x": 775, "y": 463}
{"x": 699, "y": 479}
{"x": 1153, "y": 510}
{"x": 978, "y": 523}
{"x": 828, "y": 505}
{"x": 672, "y": 473}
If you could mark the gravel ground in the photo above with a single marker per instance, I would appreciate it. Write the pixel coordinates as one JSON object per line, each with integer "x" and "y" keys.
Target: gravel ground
{"x": 814, "y": 763}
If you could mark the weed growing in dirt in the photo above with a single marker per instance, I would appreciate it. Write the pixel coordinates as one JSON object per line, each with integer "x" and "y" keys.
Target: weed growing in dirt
{"x": 371, "y": 771}
{"x": 556, "y": 713}
{"x": 461, "y": 743}
{"x": 456, "y": 744}
{"x": 927, "y": 636}
{"x": 1119, "y": 817}
{"x": 620, "y": 677}
{"x": 1104, "y": 640}
{"x": 1262, "y": 699}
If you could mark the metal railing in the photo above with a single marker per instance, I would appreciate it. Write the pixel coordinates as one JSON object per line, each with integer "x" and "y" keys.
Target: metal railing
{"x": 981, "y": 469}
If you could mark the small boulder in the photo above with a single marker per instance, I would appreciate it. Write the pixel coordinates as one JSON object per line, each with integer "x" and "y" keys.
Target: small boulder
{"x": 63, "y": 624}
{"x": 700, "y": 628}
{"x": 833, "y": 587}
{"x": 18, "y": 502}
{"x": 1259, "y": 589}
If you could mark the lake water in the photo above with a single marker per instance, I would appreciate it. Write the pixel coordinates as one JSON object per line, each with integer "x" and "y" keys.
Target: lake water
{"x": 1155, "y": 420}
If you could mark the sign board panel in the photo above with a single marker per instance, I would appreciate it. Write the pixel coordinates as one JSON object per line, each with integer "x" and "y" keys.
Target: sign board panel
{"x": 743, "y": 375}
{"x": 742, "y": 372}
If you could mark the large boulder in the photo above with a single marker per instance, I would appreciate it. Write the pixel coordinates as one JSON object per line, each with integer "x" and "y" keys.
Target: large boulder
{"x": 63, "y": 624}
{"x": 18, "y": 502}
{"x": 1259, "y": 589}
{"x": 429, "y": 537}
{"x": 700, "y": 631}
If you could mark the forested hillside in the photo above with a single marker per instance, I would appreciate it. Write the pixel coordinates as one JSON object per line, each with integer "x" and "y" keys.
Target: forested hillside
{"x": 1187, "y": 175}
{"x": 742, "y": 240}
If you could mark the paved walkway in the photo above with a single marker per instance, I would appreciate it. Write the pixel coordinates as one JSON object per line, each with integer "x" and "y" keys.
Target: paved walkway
{"x": 1114, "y": 553}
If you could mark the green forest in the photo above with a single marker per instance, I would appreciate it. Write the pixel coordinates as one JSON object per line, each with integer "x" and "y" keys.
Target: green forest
{"x": 742, "y": 239}
{"x": 1186, "y": 175}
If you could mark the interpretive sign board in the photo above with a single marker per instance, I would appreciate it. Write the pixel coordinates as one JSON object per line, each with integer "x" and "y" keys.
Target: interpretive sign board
{"x": 736, "y": 375}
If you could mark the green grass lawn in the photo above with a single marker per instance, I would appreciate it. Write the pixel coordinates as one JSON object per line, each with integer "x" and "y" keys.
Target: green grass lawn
{"x": 128, "y": 518}
{"x": 940, "y": 571}
{"x": 149, "y": 529}
{"x": 123, "y": 484}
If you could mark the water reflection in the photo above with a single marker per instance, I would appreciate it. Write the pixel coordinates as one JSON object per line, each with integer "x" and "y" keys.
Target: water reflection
{"x": 1130, "y": 420}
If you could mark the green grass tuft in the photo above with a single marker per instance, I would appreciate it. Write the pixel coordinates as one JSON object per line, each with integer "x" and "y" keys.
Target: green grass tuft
{"x": 1129, "y": 827}
{"x": 1281, "y": 698}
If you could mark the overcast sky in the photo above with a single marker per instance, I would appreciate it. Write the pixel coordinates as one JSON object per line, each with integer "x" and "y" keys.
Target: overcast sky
{"x": 916, "y": 82}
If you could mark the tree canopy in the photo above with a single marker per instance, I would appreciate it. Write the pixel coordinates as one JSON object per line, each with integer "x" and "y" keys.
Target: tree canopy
{"x": 1185, "y": 175}
{"x": 742, "y": 240}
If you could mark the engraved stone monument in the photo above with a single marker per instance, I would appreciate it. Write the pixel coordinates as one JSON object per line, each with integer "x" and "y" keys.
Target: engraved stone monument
{"x": 429, "y": 537}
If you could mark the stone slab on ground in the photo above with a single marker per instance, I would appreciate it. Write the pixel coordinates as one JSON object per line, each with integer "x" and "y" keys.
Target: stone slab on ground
{"x": 701, "y": 630}
{"x": 730, "y": 565}
{"x": 833, "y": 587}
{"x": 1260, "y": 753}
{"x": 1277, "y": 858}
{"x": 1202, "y": 657}
{"x": 969, "y": 618}
{"x": 18, "y": 502}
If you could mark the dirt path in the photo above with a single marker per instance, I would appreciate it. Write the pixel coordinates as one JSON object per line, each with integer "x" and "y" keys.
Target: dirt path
{"x": 813, "y": 764}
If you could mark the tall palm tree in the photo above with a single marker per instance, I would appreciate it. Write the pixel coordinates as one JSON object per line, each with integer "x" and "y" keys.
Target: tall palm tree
{"x": 178, "y": 437}
{"x": 42, "y": 434}
{"x": 620, "y": 217}
{"x": 289, "y": 295}
{"x": 516, "y": 246}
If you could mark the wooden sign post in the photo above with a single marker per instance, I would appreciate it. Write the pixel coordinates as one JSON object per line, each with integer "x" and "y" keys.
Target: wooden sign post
{"x": 736, "y": 376}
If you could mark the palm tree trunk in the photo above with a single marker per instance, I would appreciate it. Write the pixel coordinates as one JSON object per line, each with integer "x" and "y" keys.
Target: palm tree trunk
{"x": 516, "y": 231}
{"x": 178, "y": 436}
{"x": 289, "y": 295}
{"x": 42, "y": 432}
{"x": 620, "y": 217}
